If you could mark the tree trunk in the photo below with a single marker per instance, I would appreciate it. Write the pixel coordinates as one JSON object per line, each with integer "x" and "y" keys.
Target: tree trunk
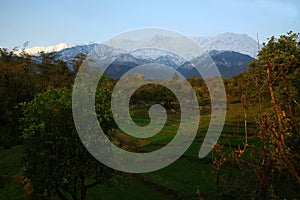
{"x": 279, "y": 135}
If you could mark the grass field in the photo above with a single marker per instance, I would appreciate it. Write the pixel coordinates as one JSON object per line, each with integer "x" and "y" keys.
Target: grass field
{"x": 186, "y": 178}
{"x": 10, "y": 164}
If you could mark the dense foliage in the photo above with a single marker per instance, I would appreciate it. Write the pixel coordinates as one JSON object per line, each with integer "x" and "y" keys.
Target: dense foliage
{"x": 54, "y": 150}
{"x": 22, "y": 77}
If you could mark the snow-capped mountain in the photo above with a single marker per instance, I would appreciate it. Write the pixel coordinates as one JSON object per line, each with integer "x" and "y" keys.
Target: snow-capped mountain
{"x": 38, "y": 49}
{"x": 241, "y": 43}
{"x": 68, "y": 54}
{"x": 229, "y": 41}
{"x": 230, "y": 52}
{"x": 159, "y": 55}
{"x": 226, "y": 41}
{"x": 182, "y": 45}
{"x": 229, "y": 63}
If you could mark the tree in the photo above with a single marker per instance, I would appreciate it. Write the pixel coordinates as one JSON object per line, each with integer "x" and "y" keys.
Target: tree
{"x": 272, "y": 85}
{"x": 56, "y": 162}
{"x": 21, "y": 78}
{"x": 175, "y": 77}
{"x": 272, "y": 81}
{"x": 53, "y": 71}
{"x": 78, "y": 60}
{"x": 280, "y": 61}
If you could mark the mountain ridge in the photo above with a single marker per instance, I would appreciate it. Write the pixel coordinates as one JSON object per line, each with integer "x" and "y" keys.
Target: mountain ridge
{"x": 227, "y": 52}
{"x": 229, "y": 64}
{"x": 225, "y": 41}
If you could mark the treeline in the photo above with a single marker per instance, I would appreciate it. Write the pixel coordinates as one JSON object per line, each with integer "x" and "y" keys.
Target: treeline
{"x": 36, "y": 111}
{"x": 22, "y": 77}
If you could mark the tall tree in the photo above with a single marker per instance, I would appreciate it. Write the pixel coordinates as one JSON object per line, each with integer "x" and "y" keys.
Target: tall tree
{"x": 274, "y": 77}
{"x": 270, "y": 86}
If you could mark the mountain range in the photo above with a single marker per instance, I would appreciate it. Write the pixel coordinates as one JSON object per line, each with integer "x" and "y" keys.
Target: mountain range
{"x": 230, "y": 52}
{"x": 229, "y": 64}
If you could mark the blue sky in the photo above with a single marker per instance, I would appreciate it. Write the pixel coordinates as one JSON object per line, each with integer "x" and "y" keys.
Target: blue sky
{"x": 56, "y": 21}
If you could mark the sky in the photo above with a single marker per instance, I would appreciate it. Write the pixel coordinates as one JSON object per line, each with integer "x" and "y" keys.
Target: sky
{"x": 45, "y": 23}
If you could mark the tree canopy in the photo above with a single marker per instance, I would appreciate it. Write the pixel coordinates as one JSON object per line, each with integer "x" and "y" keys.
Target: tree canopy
{"x": 54, "y": 150}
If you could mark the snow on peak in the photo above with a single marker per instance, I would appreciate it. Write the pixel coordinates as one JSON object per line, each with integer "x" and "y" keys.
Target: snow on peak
{"x": 229, "y": 41}
{"x": 225, "y": 41}
{"x": 38, "y": 49}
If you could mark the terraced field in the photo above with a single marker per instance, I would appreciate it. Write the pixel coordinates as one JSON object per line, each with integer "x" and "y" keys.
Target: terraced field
{"x": 187, "y": 178}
